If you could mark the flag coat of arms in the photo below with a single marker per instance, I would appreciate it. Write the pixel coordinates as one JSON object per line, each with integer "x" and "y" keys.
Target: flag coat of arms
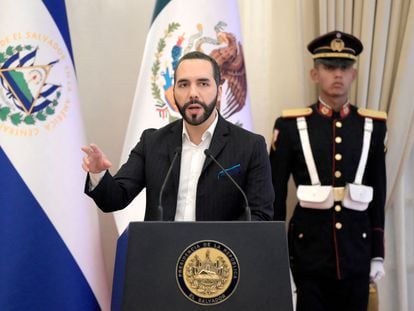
{"x": 51, "y": 256}
{"x": 178, "y": 27}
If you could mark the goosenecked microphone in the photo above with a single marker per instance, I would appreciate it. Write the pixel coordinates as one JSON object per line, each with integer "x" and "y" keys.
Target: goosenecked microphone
{"x": 247, "y": 212}
{"x": 160, "y": 210}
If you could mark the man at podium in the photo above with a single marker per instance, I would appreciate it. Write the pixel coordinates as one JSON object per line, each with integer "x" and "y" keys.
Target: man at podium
{"x": 200, "y": 167}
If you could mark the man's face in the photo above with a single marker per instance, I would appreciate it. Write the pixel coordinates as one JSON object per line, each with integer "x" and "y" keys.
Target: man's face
{"x": 333, "y": 81}
{"x": 195, "y": 91}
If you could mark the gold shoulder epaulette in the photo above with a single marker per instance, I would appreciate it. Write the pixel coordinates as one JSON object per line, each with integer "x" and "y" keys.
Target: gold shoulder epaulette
{"x": 375, "y": 114}
{"x": 299, "y": 112}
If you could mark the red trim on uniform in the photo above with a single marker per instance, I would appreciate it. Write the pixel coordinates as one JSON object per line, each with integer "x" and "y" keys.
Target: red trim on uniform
{"x": 326, "y": 111}
{"x": 338, "y": 271}
{"x": 345, "y": 110}
{"x": 378, "y": 229}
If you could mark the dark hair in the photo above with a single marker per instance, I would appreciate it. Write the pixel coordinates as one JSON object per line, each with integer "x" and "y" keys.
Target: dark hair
{"x": 200, "y": 55}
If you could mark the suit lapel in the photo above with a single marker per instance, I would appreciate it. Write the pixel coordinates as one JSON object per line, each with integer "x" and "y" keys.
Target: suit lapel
{"x": 218, "y": 141}
{"x": 174, "y": 141}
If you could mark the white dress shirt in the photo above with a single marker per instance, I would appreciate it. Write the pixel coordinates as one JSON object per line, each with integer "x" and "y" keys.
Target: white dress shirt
{"x": 192, "y": 160}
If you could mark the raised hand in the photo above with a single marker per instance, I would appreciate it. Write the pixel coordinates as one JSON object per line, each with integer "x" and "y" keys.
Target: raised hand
{"x": 94, "y": 161}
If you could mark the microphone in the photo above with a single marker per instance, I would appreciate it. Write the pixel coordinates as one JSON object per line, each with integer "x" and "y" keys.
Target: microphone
{"x": 247, "y": 212}
{"x": 160, "y": 210}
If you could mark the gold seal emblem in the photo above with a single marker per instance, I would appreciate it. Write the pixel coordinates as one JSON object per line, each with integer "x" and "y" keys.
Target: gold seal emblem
{"x": 207, "y": 272}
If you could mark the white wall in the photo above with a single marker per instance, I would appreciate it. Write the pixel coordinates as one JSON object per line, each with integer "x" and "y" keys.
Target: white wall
{"x": 108, "y": 38}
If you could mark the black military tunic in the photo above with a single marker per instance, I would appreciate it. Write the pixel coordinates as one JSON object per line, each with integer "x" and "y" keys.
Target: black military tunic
{"x": 335, "y": 243}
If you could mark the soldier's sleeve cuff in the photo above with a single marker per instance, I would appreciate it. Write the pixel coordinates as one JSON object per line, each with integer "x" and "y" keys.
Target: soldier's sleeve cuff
{"x": 377, "y": 243}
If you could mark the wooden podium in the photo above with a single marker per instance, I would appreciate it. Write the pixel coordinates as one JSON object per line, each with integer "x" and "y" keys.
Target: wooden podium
{"x": 167, "y": 266}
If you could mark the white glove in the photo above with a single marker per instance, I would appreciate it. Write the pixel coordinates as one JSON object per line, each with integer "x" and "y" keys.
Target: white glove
{"x": 377, "y": 270}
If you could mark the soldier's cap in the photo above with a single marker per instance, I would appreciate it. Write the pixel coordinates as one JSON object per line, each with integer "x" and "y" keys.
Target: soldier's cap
{"x": 335, "y": 46}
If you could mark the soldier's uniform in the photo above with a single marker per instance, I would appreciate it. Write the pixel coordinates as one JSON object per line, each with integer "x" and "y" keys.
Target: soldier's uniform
{"x": 333, "y": 244}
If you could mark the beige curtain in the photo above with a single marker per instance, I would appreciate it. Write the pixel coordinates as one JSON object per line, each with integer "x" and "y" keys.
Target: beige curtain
{"x": 276, "y": 33}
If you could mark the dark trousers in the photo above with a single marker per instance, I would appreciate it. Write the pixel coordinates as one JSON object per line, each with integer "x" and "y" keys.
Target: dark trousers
{"x": 332, "y": 295}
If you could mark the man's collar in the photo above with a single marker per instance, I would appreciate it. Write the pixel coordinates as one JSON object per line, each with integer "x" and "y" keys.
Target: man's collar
{"x": 209, "y": 132}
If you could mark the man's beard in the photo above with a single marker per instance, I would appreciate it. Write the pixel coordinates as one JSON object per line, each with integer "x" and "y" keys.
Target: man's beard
{"x": 193, "y": 119}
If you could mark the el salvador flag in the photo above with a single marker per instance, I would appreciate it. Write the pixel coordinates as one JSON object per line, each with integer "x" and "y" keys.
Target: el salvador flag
{"x": 50, "y": 252}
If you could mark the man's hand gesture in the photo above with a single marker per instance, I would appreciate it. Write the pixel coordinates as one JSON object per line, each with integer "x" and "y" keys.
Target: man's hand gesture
{"x": 94, "y": 161}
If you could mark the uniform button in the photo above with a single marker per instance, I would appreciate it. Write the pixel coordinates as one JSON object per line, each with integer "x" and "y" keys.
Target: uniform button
{"x": 364, "y": 235}
{"x": 338, "y": 139}
{"x": 338, "y": 124}
{"x": 338, "y": 174}
{"x": 338, "y": 208}
{"x": 300, "y": 236}
{"x": 338, "y": 226}
{"x": 338, "y": 157}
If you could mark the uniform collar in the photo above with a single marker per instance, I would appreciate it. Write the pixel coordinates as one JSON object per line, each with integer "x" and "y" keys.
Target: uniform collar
{"x": 327, "y": 111}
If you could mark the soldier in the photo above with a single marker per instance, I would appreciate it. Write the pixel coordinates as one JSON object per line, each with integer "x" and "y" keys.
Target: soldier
{"x": 336, "y": 155}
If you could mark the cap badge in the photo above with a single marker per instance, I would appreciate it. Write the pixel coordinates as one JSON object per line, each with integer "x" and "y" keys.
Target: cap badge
{"x": 337, "y": 45}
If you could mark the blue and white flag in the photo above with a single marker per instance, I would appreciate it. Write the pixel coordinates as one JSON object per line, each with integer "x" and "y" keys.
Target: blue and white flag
{"x": 178, "y": 27}
{"x": 50, "y": 249}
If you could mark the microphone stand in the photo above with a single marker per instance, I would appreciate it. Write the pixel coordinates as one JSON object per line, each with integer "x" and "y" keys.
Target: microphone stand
{"x": 160, "y": 210}
{"x": 247, "y": 212}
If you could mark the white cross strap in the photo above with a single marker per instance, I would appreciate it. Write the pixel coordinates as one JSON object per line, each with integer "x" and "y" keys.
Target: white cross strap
{"x": 368, "y": 127}
{"x": 307, "y": 151}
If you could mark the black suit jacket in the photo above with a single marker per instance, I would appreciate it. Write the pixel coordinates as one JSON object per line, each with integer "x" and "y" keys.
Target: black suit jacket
{"x": 217, "y": 198}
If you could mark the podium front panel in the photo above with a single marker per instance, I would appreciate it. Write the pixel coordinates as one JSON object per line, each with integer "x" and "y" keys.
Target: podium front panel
{"x": 235, "y": 266}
